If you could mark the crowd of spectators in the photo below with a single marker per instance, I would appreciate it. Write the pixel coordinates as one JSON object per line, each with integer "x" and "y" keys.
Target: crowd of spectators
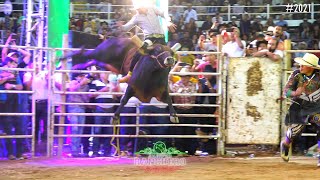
{"x": 94, "y": 18}
{"x": 193, "y": 22}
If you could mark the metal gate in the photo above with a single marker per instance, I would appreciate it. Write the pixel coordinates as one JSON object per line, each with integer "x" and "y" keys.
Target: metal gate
{"x": 253, "y": 112}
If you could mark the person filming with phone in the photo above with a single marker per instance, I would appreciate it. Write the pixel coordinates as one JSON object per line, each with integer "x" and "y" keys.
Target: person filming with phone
{"x": 234, "y": 47}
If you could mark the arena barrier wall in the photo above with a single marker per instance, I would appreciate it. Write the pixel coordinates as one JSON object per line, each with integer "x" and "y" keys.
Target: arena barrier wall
{"x": 231, "y": 128}
{"x": 253, "y": 112}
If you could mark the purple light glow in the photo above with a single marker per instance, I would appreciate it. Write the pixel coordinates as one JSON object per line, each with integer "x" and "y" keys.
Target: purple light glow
{"x": 69, "y": 162}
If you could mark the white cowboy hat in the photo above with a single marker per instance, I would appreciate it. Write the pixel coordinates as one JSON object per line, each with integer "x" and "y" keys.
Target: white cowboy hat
{"x": 308, "y": 60}
{"x": 185, "y": 71}
{"x": 270, "y": 28}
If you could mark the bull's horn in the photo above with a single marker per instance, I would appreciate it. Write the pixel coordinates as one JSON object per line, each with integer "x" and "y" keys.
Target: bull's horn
{"x": 176, "y": 47}
{"x": 137, "y": 41}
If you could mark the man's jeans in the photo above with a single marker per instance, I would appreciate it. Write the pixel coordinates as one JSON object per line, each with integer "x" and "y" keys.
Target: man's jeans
{"x": 76, "y": 141}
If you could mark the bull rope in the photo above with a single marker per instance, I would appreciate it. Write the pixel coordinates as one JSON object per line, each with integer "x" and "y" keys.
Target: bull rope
{"x": 115, "y": 131}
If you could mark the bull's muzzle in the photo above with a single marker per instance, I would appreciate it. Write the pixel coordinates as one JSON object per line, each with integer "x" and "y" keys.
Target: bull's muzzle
{"x": 169, "y": 61}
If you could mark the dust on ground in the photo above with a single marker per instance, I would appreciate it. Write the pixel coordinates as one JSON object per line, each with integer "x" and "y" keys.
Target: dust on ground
{"x": 196, "y": 167}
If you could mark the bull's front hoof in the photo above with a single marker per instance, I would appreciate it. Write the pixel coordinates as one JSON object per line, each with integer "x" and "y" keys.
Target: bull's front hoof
{"x": 115, "y": 120}
{"x": 174, "y": 119}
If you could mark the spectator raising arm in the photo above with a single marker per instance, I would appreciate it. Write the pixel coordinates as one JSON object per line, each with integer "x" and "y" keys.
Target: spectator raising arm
{"x": 25, "y": 54}
{"x": 6, "y": 49}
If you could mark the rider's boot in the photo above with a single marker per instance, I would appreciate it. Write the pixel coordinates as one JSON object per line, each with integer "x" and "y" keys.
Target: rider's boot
{"x": 285, "y": 148}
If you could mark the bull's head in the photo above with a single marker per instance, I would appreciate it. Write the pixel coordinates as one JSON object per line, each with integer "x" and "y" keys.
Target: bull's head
{"x": 164, "y": 55}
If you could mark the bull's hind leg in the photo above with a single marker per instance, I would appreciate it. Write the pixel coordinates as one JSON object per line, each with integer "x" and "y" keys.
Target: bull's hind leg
{"x": 173, "y": 114}
{"x": 84, "y": 65}
{"x": 94, "y": 62}
{"x": 128, "y": 94}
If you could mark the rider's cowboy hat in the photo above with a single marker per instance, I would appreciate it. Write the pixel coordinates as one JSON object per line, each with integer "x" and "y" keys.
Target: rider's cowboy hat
{"x": 137, "y": 4}
{"x": 308, "y": 60}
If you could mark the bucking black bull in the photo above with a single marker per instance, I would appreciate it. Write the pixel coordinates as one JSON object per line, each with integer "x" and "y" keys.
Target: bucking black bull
{"x": 149, "y": 77}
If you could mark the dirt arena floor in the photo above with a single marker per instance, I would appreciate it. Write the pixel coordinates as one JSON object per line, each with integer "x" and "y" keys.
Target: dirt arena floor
{"x": 196, "y": 168}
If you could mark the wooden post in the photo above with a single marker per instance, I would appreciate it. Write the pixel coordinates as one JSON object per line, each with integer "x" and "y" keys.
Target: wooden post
{"x": 63, "y": 96}
{"x": 287, "y": 56}
{"x": 287, "y": 67}
{"x": 221, "y": 83}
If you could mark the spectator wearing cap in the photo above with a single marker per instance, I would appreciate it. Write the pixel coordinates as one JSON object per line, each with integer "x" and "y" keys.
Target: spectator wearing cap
{"x": 211, "y": 45}
{"x": 209, "y": 59}
{"x": 9, "y": 104}
{"x": 281, "y": 21}
{"x": 126, "y": 144}
{"x": 233, "y": 22}
{"x": 234, "y": 47}
{"x": 16, "y": 53}
{"x": 256, "y": 26}
{"x": 105, "y": 83}
{"x": 185, "y": 85}
{"x": 272, "y": 52}
{"x": 22, "y": 58}
{"x": 190, "y": 13}
{"x": 79, "y": 83}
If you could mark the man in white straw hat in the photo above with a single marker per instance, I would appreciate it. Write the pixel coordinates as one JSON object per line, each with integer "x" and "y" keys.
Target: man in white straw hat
{"x": 147, "y": 20}
{"x": 303, "y": 87}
